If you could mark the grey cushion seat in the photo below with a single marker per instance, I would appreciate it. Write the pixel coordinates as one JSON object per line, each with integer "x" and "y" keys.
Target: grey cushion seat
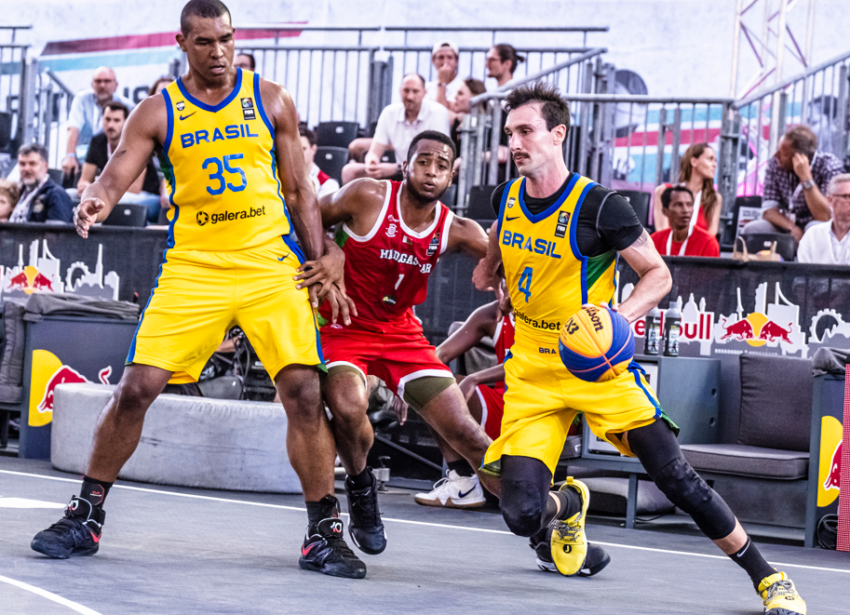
{"x": 743, "y": 460}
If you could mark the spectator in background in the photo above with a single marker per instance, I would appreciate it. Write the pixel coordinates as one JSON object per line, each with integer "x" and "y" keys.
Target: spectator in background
{"x": 84, "y": 120}
{"x": 9, "y": 193}
{"x": 160, "y": 84}
{"x": 444, "y": 57}
{"x": 245, "y": 61}
{"x": 696, "y": 173}
{"x": 41, "y": 198}
{"x": 829, "y": 244}
{"x": 468, "y": 90}
{"x": 681, "y": 238}
{"x": 502, "y": 62}
{"x": 146, "y": 189}
{"x": 398, "y": 124}
{"x": 794, "y": 185}
{"x": 323, "y": 183}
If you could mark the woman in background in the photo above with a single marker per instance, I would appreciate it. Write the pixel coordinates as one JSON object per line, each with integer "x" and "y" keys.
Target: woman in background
{"x": 696, "y": 173}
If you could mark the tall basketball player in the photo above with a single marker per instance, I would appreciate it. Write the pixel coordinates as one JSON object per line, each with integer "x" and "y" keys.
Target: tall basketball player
{"x": 239, "y": 190}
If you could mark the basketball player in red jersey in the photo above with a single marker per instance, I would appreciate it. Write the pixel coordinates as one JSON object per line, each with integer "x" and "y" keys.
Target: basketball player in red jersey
{"x": 392, "y": 234}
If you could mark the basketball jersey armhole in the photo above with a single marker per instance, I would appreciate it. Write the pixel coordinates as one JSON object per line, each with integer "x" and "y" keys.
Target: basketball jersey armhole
{"x": 378, "y": 223}
{"x": 169, "y": 110}
{"x": 447, "y": 228}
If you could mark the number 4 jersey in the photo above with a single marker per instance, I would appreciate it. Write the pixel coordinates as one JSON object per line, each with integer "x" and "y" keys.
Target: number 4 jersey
{"x": 224, "y": 187}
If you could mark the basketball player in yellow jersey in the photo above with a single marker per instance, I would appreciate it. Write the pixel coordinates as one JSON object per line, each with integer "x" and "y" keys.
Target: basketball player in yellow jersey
{"x": 556, "y": 241}
{"x": 239, "y": 191}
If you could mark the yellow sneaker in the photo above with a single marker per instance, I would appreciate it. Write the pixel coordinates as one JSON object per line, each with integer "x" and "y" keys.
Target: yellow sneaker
{"x": 568, "y": 542}
{"x": 780, "y": 597}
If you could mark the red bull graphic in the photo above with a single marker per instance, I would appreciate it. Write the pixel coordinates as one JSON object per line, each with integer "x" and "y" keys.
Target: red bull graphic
{"x": 48, "y": 372}
{"x": 770, "y": 332}
{"x": 63, "y": 375}
{"x": 741, "y": 330}
{"x": 833, "y": 478}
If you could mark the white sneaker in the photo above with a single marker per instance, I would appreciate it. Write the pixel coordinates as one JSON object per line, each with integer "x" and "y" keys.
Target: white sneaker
{"x": 454, "y": 491}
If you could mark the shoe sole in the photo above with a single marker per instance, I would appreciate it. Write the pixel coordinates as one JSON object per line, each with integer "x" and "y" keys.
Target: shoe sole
{"x": 332, "y": 571}
{"x": 558, "y": 545}
{"x": 365, "y": 549}
{"x": 63, "y": 554}
{"x": 449, "y": 503}
{"x": 592, "y": 571}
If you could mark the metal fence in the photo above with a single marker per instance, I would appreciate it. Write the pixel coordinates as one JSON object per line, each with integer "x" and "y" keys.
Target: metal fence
{"x": 817, "y": 98}
{"x": 13, "y": 59}
{"x": 624, "y": 142}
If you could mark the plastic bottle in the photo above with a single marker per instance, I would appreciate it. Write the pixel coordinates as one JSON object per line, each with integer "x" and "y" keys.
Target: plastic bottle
{"x": 652, "y": 334}
{"x": 672, "y": 330}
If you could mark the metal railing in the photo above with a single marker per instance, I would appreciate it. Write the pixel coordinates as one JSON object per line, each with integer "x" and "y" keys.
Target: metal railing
{"x": 623, "y": 142}
{"x": 818, "y": 98}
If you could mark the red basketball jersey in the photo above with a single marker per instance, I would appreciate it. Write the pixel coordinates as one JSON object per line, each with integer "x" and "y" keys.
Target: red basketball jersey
{"x": 504, "y": 340}
{"x": 387, "y": 270}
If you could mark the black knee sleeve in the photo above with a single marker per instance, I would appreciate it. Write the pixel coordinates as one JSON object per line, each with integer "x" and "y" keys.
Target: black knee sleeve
{"x": 687, "y": 490}
{"x": 523, "y": 507}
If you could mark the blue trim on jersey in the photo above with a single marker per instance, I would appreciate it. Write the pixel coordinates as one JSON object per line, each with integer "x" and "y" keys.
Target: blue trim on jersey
{"x": 259, "y": 103}
{"x": 219, "y": 106}
{"x": 296, "y": 249}
{"x": 318, "y": 340}
{"x": 637, "y": 371}
{"x": 169, "y": 110}
{"x": 262, "y": 111}
{"x": 502, "y": 207}
{"x": 132, "y": 352}
{"x": 573, "y": 237}
{"x": 552, "y": 208}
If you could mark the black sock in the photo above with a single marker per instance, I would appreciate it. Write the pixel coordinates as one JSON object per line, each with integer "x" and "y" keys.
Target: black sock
{"x": 570, "y": 503}
{"x": 750, "y": 559}
{"x": 362, "y": 480}
{"x": 94, "y": 491}
{"x": 461, "y": 466}
{"x": 325, "y": 508}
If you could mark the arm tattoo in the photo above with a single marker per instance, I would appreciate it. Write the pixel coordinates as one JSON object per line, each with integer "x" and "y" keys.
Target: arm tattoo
{"x": 641, "y": 241}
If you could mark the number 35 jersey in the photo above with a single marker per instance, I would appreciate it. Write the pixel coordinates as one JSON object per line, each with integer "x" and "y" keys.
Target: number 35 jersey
{"x": 547, "y": 276}
{"x": 224, "y": 187}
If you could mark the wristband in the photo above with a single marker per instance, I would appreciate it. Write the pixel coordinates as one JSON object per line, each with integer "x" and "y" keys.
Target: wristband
{"x": 69, "y": 156}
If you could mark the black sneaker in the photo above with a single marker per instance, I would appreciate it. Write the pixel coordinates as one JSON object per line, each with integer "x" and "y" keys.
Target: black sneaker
{"x": 77, "y": 534}
{"x": 597, "y": 558}
{"x": 325, "y": 551}
{"x": 365, "y": 525}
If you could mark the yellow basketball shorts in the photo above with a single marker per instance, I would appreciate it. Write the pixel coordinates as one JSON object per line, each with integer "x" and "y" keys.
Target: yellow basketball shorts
{"x": 201, "y": 295}
{"x": 542, "y": 399}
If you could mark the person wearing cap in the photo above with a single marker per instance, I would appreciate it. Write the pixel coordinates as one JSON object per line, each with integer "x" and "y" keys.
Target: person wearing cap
{"x": 444, "y": 89}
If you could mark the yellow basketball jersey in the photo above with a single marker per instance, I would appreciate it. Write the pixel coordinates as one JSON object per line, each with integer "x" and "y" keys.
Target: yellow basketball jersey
{"x": 224, "y": 186}
{"x": 547, "y": 276}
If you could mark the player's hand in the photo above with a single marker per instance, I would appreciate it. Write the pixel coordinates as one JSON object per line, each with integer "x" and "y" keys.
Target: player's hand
{"x": 85, "y": 214}
{"x": 467, "y": 387}
{"x": 483, "y": 278}
{"x": 802, "y": 167}
{"x": 504, "y": 298}
{"x": 342, "y": 306}
{"x": 319, "y": 275}
{"x": 373, "y": 170}
{"x": 400, "y": 409}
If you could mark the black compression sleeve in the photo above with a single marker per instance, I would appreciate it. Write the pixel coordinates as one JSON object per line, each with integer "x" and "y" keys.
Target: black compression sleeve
{"x": 496, "y": 199}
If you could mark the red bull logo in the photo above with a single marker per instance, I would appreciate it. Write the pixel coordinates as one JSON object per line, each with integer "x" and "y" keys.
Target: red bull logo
{"x": 63, "y": 375}
{"x": 833, "y": 477}
{"x": 28, "y": 281}
{"x": 756, "y": 329}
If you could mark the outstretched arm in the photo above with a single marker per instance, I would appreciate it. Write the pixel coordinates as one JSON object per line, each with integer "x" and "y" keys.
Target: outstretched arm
{"x": 488, "y": 273}
{"x": 655, "y": 280}
{"x": 467, "y": 236}
{"x": 482, "y": 322}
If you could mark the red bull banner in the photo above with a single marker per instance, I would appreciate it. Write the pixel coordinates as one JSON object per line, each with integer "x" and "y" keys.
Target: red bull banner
{"x": 48, "y": 372}
{"x": 842, "y": 460}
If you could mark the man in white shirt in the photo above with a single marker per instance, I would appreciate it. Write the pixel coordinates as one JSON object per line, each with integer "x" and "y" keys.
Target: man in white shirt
{"x": 85, "y": 117}
{"x": 444, "y": 57}
{"x": 828, "y": 243}
{"x": 398, "y": 124}
{"x": 322, "y": 182}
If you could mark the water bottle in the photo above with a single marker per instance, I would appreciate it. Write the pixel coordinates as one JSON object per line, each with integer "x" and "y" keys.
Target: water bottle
{"x": 652, "y": 334}
{"x": 672, "y": 330}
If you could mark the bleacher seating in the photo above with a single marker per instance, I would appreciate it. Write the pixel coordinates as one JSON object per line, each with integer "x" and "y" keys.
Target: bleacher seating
{"x": 640, "y": 202}
{"x": 479, "y": 203}
{"x": 336, "y": 134}
{"x": 127, "y": 215}
{"x": 786, "y": 245}
{"x": 331, "y": 160}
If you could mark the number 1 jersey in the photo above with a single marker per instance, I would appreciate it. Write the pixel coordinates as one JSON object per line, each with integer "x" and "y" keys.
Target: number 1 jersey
{"x": 224, "y": 187}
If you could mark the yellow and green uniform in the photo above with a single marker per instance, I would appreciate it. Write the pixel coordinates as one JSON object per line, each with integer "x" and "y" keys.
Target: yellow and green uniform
{"x": 231, "y": 256}
{"x": 549, "y": 280}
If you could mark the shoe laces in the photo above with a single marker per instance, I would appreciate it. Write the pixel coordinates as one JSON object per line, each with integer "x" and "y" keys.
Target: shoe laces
{"x": 365, "y": 508}
{"x": 780, "y": 587}
{"x": 340, "y": 547}
{"x": 565, "y": 529}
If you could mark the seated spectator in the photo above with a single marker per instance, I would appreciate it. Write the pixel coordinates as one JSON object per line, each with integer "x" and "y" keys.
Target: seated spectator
{"x": 502, "y": 61}
{"x": 245, "y": 61}
{"x": 146, "y": 189}
{"x": 322, "y": 182}
{"x": 84, "y": 120}
{"x": 681, "y": 238}
{"x": 9, "y": 193}
{"x": 484, "y": 392}
{"x": 794, "y": 185}
{"x": 160, "y": 84}
{"x": 398, "y": 124}
{"x": 41, "y": 198}
{"x": 444, "y": 57}
{"x": 696, "y": 173}
{"x": 828, "y": 243}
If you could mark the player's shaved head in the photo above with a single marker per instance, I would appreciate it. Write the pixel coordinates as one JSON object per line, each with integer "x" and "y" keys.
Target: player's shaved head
{"x": 208, "y": 9}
